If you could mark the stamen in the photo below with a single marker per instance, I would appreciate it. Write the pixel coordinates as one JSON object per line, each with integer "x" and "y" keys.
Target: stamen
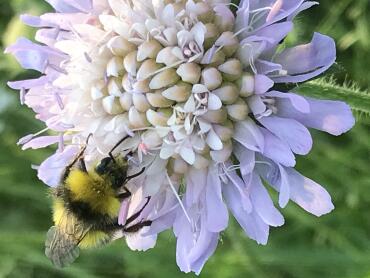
{"x": 178, "y": 198}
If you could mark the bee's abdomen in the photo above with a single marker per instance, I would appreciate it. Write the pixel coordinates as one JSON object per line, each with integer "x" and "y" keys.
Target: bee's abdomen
{"x": 84, "y": 211}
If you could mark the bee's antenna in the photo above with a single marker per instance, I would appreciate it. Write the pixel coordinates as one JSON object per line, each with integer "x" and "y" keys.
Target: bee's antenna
{"x": 116, "y": 146}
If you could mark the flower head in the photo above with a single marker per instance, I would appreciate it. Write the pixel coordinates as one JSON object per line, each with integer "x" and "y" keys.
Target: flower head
{"x": 193, "y": 84}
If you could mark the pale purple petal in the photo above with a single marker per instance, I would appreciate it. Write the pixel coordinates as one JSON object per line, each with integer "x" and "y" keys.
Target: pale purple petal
{"x": 277, "y": 150}
{"x": 139, "y": 242}
{"x": 248, "y": 134}
{"x": 314, "y": 58}
{"x": 123, "y": 212}
{"x": 41, "y": 142}
{"x": 251, "y": 223}
{"x": 334, "y": 117}
{"x": 290, "y": 131}
{"x": 262, "y": 84}
{"x": 263, "y": 204}
{"x": 52, "y": 169}
{"x": 246, "y": 158}
{"x": 217, "y": 216}
{"x": 308, "y": 194}
{"x": 297, "y": 101}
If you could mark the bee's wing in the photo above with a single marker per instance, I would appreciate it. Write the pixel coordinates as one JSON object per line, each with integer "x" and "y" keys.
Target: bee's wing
{"x": 61, "y": 245}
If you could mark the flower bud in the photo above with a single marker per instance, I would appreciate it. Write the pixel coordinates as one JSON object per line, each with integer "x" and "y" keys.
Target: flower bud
{"x": 158, "y": 118}
{"x": 120, "y": 46}
{"x": 189, "y": 72}
{"x": 96, "y": 91}
{"x": 166, "y": 56}
{"x": 223, "y": 155}
{"x": 229, "y": 43}
{"x": 228, "y": 93}
{"x": 213, "y": 58}
{"x": 156, "y": 99}
{"x": 151, "y": 139}
{"x": 130, "y": 63}
{"x": 224, "y": 131}
{"x": 111, "y": 105}
{"x": 163, "y": 79}
{"x": 148, "y": 50}
{"x": 137, "y": 119}
{"x": 115, "y": 67}
{"x": 246, "y": 85}
{"x": 211, "y": 35}
{"x": 114, "y": 88}
{"x": 200, "y": 162}
{"x": 126, "y": 101}
{"x": 180, "y": 92}
{"x": 211, "y": 78}
{"x": 238, "y": 111}
{"x": 140, "y": 102}
{"x": 231, "y": 70}
{"x": 179, "y": 166}
{"x": 148, "y": 68}
{"x": 224, "y": 23}
{"x": 216, "y": 116}
{"x": 141, "y": 86}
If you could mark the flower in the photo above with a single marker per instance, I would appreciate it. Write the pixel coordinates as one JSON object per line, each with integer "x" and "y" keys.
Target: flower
{"x": 194, "y": 85}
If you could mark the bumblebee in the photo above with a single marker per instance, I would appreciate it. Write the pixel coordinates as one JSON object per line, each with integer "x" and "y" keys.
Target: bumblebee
{"x": 86, "y": 206}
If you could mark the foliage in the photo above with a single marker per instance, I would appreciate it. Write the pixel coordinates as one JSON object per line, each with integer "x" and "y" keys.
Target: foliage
{"x": 337, "y": 245}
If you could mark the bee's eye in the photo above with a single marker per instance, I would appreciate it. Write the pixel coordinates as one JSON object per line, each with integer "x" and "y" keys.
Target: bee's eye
{"x": 104, "y": 166}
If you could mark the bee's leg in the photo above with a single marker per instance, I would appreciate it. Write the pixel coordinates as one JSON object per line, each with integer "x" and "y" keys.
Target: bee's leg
{"x": 135, "y": 175}
{"x": 82, "y": 165}
{"x": 135, "y": 228}
{"x": 136, "y": 215}
{"x": 116, "y": 146}
{"x": 77, "y": 159}
{"x": 124, "y": 195}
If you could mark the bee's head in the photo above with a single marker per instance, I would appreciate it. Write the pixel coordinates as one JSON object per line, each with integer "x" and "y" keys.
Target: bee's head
{"x": 112, "y": 169}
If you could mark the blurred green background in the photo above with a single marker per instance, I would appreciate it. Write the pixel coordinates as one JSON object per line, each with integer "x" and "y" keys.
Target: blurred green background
{"x": 337, "y": 245}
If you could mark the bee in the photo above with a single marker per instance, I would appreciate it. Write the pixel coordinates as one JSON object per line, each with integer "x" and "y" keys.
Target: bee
{"x": 86, "y": 206}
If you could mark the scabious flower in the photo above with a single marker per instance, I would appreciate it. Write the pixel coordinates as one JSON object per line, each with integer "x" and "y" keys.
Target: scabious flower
{"x": 194, "y": 84}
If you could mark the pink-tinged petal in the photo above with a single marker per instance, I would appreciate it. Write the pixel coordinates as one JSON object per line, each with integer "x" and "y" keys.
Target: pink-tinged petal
{"x": 290, "y": 131}
{"x": 263, "y": 204}
{"x": 334, "y": 117}
{"x": 262, "y": 84}
{"x": 297, "y": 101}
{"x": 247, "y": 158}
{"x": 248, "y": 134}
{"x": 52, "y": 169}
{"x": 41, "y": 142}
{"x": 308, "y": 194}
{"x": 277, "y": 150}
{"x": 217, "y": 217}
{"x": 314, "y": 58}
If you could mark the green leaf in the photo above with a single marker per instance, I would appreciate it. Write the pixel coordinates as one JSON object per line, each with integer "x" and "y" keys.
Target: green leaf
{"x": 327, "y": 89}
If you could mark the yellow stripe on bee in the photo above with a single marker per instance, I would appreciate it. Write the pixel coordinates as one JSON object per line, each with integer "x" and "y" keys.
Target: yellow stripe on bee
{"x": 94, "y": 239}
{"x": 93, "y": 190}
{"x": 58, "y": 209}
